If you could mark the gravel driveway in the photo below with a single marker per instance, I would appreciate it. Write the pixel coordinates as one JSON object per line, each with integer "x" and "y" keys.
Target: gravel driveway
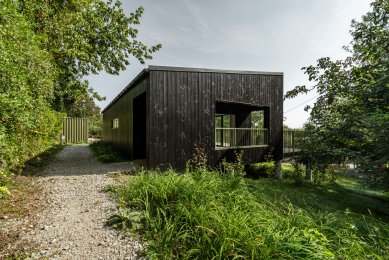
{"x": 72, "y": 226}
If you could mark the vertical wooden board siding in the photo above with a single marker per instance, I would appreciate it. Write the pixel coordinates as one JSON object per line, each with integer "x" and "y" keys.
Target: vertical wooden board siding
{"x": 279, "y": 130}
{"x": 177, "y": 114}
{"x": 188, "y": 110}
{"x": 255, "y": 89}
{"x": 186, "y": 114}
{"x": 181, "y": 111}
{"x": 171, "y": 120}
{"x": 160, "y": 115}
{"x": 121, "y": 138}
{"x": 153, "y": 119}
{"x": 210, "y": 116}
{"x": 184, "y": 117}
{"x": 152, "y": 128}
{"x": 164, "y": 85}
{"x": 195, "y": 109}
{"x": 241, "y": 88}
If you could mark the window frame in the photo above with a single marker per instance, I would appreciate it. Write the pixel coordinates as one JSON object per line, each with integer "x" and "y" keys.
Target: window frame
{"x": 115, "y": 123}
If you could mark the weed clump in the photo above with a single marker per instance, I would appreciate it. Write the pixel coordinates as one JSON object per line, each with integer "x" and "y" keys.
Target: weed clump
{"x": 104, "y": 152}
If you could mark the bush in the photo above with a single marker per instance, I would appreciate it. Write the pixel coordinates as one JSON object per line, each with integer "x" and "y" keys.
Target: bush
{"x": 287, "y": 174}
{"x": 265, "y": 169}
{"x": 104, "y": 152}
{"x": 27, "y": 123}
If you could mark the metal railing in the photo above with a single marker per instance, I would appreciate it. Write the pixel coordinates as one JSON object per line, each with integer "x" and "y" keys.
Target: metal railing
{"x": 240, "y": 137}
{"x": 294, "y": 140}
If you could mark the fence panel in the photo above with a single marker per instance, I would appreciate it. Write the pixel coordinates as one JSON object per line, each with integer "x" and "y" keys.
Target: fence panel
{"x": 293, "y": 141}
{"x": 74, "y": 130}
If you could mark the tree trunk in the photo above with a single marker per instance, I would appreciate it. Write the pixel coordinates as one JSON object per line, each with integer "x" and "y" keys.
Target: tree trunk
{"x": 308, "y": 173}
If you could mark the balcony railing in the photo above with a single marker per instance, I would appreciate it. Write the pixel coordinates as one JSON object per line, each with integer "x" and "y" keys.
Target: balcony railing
{"x": 240, "y": 137}
{"x": 294, "y": 141}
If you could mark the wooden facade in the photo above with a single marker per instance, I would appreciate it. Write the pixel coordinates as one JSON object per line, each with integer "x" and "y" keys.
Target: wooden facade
{"x": 164, "y": 111}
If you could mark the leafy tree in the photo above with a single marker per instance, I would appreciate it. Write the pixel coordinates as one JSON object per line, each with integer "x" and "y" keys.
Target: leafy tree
{"x": 84, "y": 37}
{"x": 84, "y": 108}
{"x": 351, "y": 116}
{"x": 27, "y": 124}
{"x": 87, "y": 108}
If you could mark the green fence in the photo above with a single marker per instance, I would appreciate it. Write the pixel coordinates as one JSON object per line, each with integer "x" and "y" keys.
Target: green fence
{"x": 74, "y": 130}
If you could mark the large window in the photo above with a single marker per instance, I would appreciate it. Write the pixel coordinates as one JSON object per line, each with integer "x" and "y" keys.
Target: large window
{"x": 224, "y": 125}
{"x": 115, "y": 123}
{"x": 224, "y": 121}
{"x": 239, "y": 125}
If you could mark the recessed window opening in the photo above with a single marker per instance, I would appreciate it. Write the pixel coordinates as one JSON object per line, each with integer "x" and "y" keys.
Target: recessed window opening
{"x": 115, "y": 123}
{"x": 238, "y": 125}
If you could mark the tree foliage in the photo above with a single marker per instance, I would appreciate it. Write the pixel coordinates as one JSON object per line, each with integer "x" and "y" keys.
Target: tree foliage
{"x": 87, "y": 108}
{"x": 351, "y": 116}
{"x": 84, "y": 37}
{"x": 26, "y": 121}
{"x": 46, "y": 48}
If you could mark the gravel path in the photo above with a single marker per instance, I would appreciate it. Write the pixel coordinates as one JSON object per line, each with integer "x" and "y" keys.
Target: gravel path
{"x": 72, "y": 226}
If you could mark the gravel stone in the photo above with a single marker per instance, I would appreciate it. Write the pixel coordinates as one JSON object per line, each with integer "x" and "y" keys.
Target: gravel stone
{"x": 73, "y": 225}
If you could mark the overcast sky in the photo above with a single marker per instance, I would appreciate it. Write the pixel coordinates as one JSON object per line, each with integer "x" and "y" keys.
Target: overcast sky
{"x": 257, "y": 35}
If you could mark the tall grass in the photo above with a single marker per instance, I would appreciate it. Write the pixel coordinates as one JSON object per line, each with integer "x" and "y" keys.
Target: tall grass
{"x": 212, "y": 216}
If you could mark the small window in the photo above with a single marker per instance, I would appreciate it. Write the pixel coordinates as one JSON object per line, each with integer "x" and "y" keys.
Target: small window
{"x": 115, "y": 123}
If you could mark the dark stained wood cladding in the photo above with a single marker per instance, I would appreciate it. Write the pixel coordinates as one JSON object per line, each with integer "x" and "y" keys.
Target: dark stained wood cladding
{"x": 122, "y": 137}
{"x": 182, "y": 112}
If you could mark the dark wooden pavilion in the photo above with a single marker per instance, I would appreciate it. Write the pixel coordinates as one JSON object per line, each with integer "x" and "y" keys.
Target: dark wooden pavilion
{"x": 164, "y": 111}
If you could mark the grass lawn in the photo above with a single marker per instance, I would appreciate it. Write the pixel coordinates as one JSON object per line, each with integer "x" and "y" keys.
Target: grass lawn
{"x": 355, "y": 185}
{"x": 343, "y": 195}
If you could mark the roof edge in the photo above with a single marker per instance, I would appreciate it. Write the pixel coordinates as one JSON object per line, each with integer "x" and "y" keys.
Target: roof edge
{"x": 167, "y": 68}
{"x": 128, "y": 87}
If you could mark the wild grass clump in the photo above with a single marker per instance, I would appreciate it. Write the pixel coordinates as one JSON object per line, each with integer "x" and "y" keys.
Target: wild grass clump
{"x": 104, "y": 152}
{"x": 217, "y": 216}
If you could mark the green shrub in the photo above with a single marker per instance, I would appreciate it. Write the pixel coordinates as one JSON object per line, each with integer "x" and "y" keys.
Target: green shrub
{"x": 287, "y": 174}
{"x": 265, "y": 169}
{"x": 104, "y": 152}
{"x": 297, "y": 173}
{"x": 215, "y": 216}
{"x": 28, "y": 125}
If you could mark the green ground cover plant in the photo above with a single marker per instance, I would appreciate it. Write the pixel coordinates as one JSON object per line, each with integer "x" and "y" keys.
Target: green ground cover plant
{"x": 104, "y": 152}
{"x": 217, "y": 216}
{"x": 266, "y": 169}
